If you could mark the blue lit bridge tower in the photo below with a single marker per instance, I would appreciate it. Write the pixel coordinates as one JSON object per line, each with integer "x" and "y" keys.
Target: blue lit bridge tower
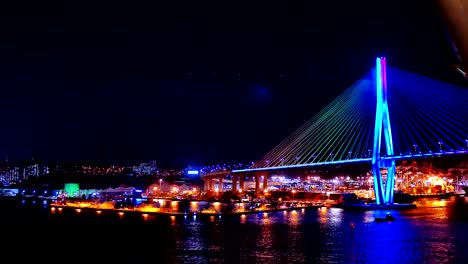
{"x": 383, "y": 193}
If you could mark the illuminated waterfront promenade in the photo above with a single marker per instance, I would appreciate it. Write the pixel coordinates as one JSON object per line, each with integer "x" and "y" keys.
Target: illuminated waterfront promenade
{"x": 144, "y": 213}
{"x": 185, "y": 208}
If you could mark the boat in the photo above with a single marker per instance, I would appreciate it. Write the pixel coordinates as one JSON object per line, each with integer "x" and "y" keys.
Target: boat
{"x": 373, "y": 206}
{"x": 387, "y": 218}
{"x": 434, "y": 195}
{"x": 210, "y": 210}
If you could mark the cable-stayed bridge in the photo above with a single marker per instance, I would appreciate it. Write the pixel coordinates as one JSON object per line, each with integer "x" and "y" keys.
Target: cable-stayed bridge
{"x": 386, "y": 116}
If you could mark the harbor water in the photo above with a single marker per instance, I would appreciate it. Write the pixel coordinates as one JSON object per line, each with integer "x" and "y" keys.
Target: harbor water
{"x": 435, "y": 232}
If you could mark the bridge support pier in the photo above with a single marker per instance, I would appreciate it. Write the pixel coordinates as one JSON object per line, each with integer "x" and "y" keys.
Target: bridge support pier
{"x": 220, "y": 183}
{"x": 264, "y": 183}
{"x": 234, "y": 183}
{"x": 257, "y": 184}
{"x": 206, "y": 185}
{"x": 241, "y": 183}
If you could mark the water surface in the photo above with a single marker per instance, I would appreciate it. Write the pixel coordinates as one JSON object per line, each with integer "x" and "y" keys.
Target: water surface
{"x": 435, "y": 232}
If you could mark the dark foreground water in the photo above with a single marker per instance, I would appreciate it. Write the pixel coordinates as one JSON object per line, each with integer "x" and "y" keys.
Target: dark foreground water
{"x": 435, "y": 232}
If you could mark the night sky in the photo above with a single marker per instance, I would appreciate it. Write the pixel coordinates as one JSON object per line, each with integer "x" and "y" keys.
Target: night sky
{"x": 192, "y": 82}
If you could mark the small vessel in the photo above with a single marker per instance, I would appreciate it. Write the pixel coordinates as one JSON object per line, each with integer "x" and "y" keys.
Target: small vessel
{"x": 387, "y": 218}
{"x": 210, "y": 210}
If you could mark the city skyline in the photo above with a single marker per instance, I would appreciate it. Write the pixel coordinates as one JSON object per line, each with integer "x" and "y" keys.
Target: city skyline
{"x": 194, "y": 85}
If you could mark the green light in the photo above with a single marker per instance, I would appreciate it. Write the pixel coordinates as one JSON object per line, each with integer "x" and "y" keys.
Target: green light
{"x": 72, "y": 189}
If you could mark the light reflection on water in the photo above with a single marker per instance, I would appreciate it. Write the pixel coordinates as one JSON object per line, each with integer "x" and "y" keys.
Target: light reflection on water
{"x": 435, "y": 232}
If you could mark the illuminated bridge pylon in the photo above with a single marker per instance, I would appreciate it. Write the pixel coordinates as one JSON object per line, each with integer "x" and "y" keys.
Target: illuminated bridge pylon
{"x": 383, "y": 194}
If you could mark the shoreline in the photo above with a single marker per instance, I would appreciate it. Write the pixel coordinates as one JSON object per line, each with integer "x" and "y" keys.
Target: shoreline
{"x": 169, "y": 212}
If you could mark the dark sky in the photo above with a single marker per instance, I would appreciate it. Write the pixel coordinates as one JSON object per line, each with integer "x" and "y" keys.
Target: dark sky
{"x": 192, "y": 82}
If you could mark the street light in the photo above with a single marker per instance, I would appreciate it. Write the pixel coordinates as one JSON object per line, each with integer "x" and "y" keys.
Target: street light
{"x": 415, "y": 147}
{"x": 160, "y": 180}
{"x": 293, "y": 192}
{"x": 440, "y": 146}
